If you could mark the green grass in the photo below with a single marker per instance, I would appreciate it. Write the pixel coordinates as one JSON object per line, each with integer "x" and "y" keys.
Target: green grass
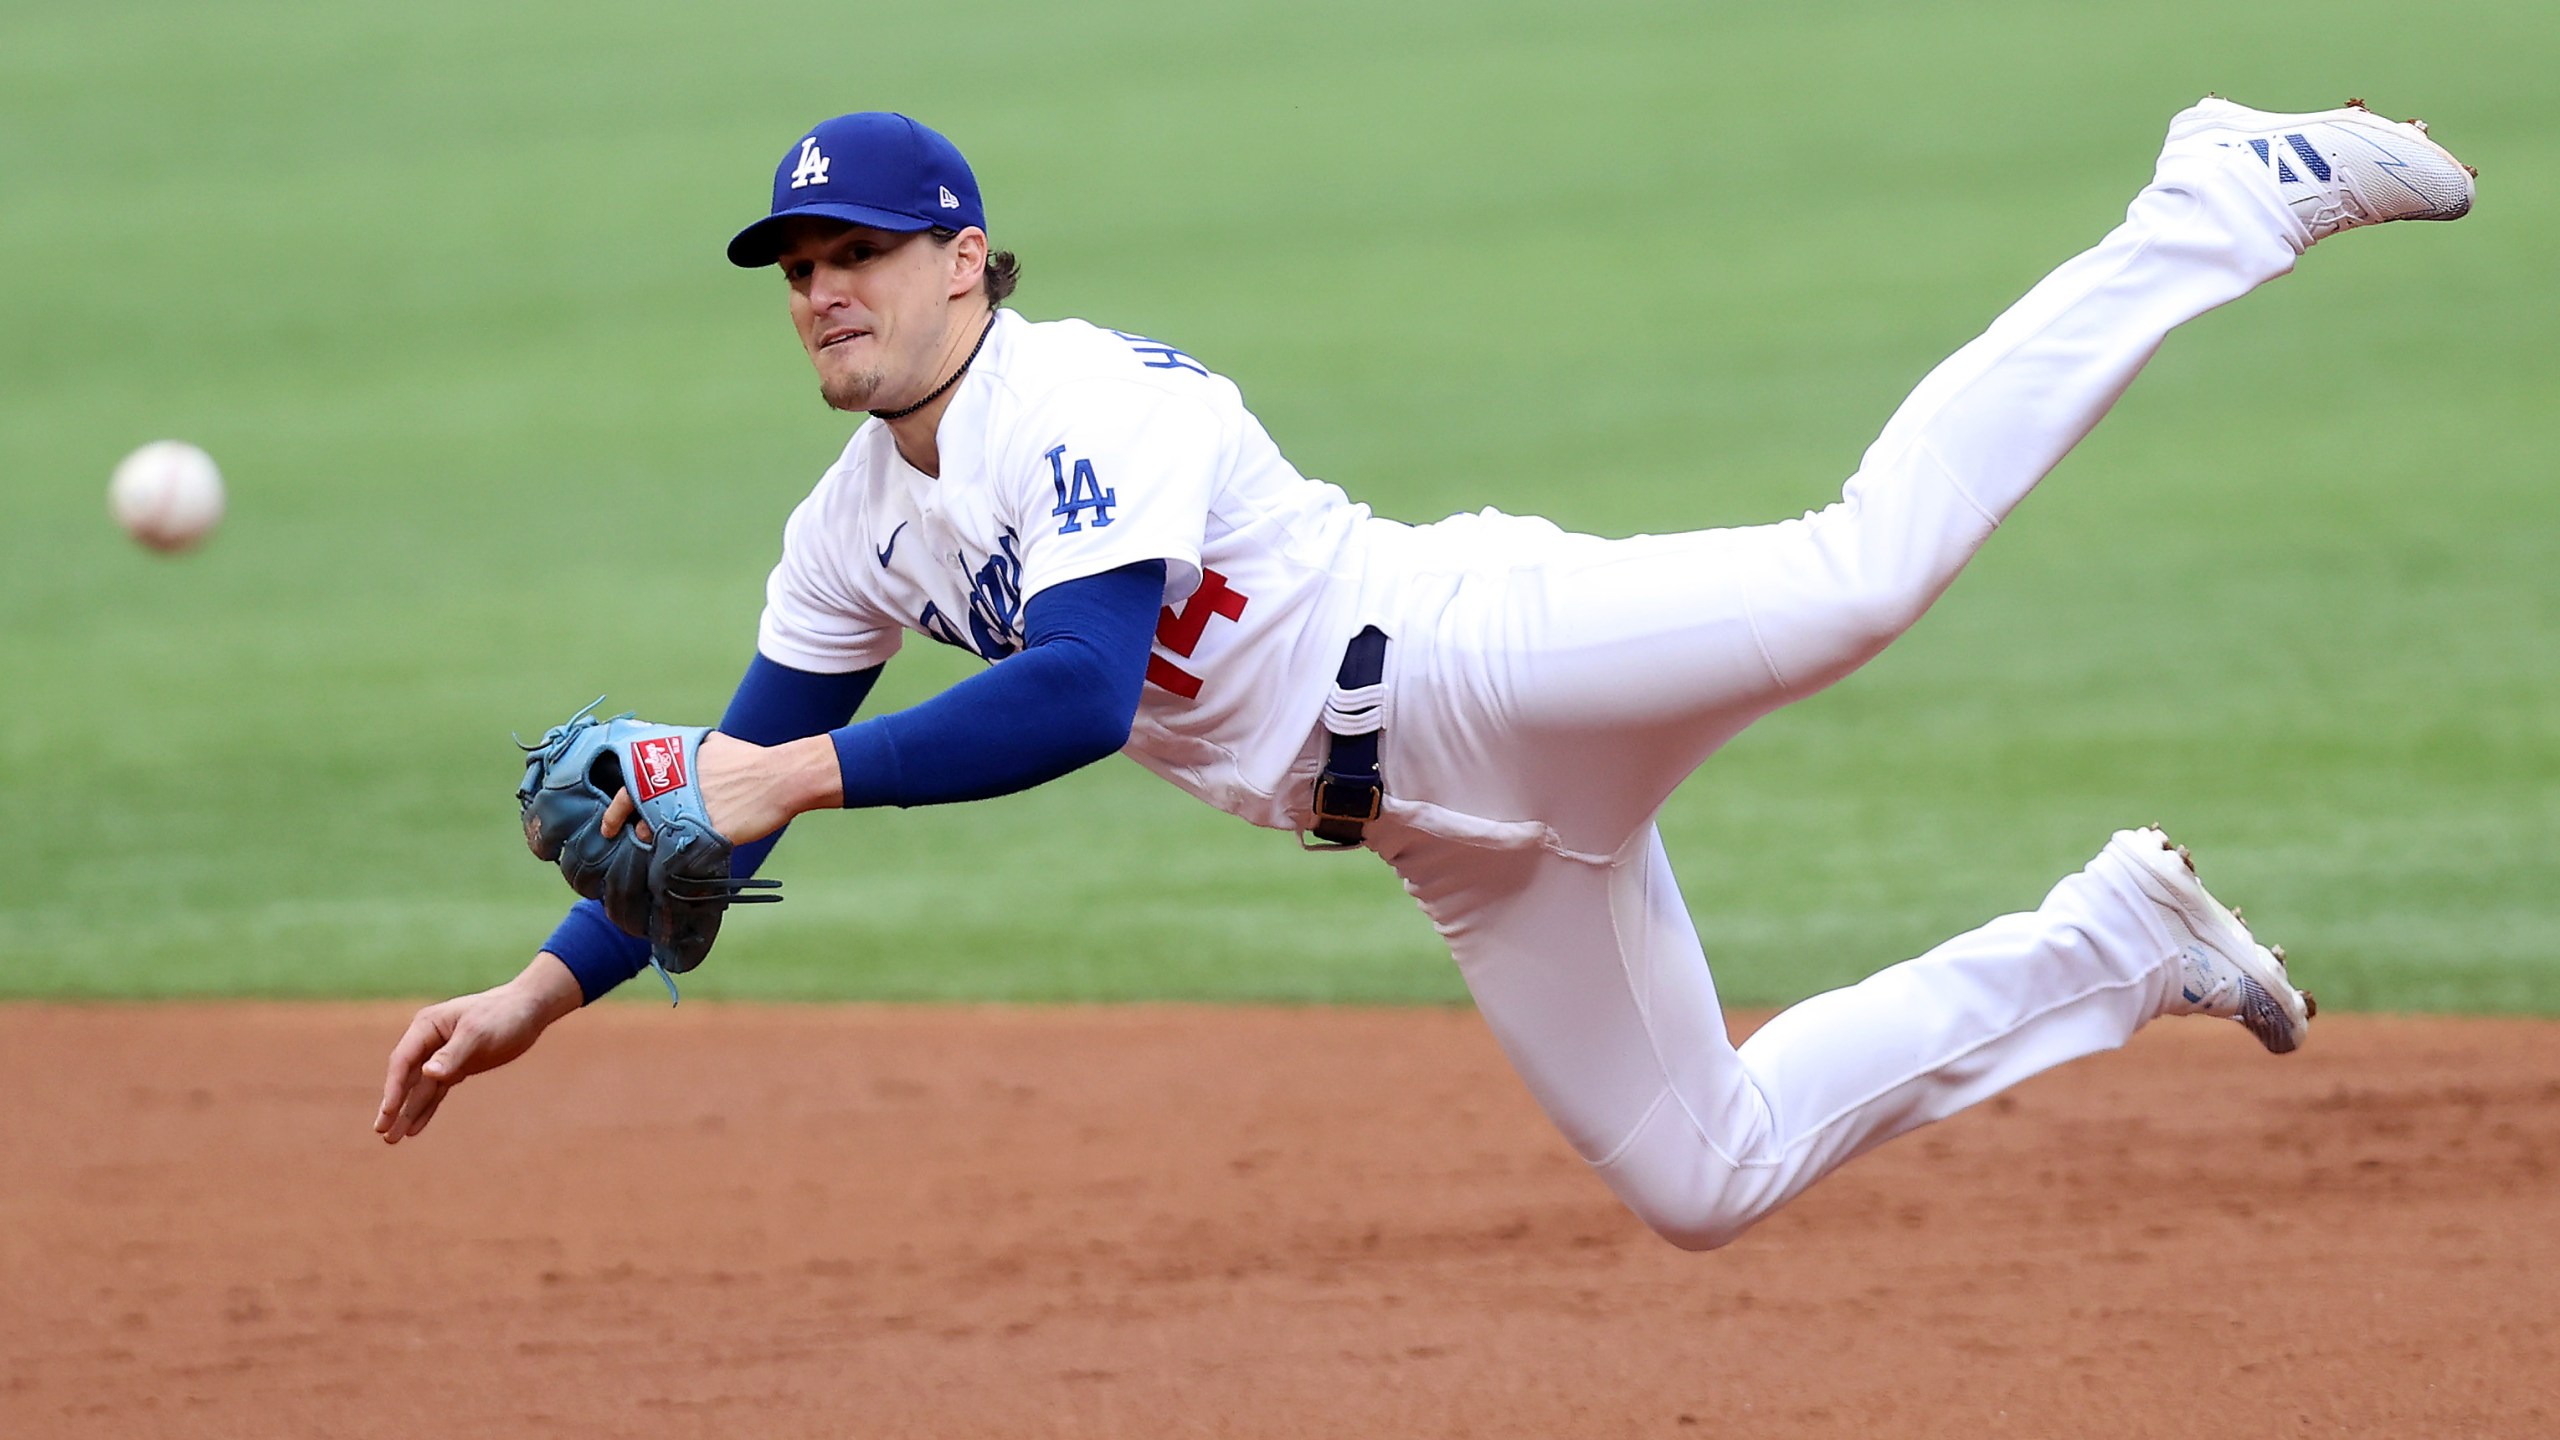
{"x": 441, "y": 288}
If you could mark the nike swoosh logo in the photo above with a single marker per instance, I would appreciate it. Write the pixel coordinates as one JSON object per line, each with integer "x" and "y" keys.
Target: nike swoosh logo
{"x": 883, "y": 551}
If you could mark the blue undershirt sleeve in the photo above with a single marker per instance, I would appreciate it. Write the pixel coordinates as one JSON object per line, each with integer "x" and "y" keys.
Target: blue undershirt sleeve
{"x": 1067, "y": 700}
{"x": 774, "y": 704}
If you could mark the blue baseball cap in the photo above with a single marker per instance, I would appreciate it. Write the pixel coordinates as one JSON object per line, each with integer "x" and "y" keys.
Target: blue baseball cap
{"x": 874, "y": 168}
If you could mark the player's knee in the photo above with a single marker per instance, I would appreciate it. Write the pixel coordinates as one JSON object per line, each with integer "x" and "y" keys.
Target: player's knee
{"x": 1850, "y": 625}
{"x": 1692, "y": 1217}
{"x": 1697, "y": 1227}
{"x": 1697, "y": 1192}
{"x": 1880, "y": 610}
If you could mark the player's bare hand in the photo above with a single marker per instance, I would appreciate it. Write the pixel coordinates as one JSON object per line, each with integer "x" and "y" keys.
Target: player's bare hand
{"x": 750, "y": 790}
{"x": 454, "y": 1039}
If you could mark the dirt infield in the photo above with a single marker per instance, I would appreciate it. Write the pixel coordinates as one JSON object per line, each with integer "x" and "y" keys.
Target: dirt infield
{"x": 948, "y": 1222}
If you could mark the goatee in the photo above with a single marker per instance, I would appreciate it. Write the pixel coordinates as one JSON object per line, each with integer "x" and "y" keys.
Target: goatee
{"x": 853, "y": 392}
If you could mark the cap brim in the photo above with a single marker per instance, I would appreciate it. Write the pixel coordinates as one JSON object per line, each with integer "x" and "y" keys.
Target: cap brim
{"x": 760, "y": 244}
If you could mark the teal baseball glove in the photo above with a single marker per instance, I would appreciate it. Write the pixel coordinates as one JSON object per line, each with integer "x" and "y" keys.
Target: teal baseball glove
{"x": 671, "y": 889}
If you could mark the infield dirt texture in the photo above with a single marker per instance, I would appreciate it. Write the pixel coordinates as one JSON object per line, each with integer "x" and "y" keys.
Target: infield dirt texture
{"x": 1150, "y": 1222}
{"x": 441, "y": 289}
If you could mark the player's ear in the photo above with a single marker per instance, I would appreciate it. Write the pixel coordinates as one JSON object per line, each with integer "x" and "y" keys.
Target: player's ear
{"x": 968, "y": 259}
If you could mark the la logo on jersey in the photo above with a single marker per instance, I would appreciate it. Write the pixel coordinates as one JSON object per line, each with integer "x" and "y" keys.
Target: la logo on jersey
{"x": 659, "y": 763}
{"x": 812, "y": 169}
{"x": 1081, "y": 493}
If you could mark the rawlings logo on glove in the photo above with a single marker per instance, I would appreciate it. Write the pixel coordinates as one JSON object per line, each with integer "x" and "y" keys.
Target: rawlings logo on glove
{"x": 670, "y": 889}
{"x": 658, "y": 766}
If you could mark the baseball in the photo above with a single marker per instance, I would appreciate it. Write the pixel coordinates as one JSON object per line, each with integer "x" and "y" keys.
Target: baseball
{"x": 168, "y": 495}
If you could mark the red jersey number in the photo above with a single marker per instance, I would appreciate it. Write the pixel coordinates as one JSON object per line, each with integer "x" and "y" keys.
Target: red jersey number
{"x": 1179, "y": 631}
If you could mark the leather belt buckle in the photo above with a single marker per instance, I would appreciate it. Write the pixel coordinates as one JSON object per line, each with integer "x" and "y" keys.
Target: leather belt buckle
{"x": 1325, "y": 809}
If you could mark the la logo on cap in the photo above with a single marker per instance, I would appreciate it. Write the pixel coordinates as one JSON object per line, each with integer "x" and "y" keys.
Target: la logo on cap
{"x": 812, "y": 169}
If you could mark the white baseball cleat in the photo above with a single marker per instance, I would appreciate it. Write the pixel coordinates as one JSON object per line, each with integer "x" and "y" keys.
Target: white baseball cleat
{"x": 2222, "y": 969}
{"x": 2337, "y": 169}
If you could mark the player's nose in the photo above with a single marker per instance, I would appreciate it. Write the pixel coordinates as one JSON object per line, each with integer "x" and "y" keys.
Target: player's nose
{"x": 830, "y": 290}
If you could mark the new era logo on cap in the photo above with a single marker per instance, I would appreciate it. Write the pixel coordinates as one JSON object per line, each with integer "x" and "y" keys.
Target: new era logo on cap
{"x": 875, "y": 168}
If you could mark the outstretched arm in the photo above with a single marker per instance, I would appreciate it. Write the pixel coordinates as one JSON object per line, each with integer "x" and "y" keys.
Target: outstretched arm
{"x": 1066, "y": 701}
{"x": 588, "y": 955}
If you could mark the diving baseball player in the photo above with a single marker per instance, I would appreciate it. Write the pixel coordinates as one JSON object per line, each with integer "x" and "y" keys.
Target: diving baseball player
{"x": 1494, "y": 706}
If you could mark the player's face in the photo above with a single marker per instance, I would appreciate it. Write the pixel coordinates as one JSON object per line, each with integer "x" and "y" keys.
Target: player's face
{"x": 872, "y": 308}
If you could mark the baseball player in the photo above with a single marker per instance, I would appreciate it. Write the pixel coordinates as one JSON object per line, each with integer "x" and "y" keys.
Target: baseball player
{"x": 1494, "y": 706}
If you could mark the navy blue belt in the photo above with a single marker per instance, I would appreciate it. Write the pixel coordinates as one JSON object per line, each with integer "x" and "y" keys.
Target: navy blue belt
{"x": 1349, "y": 792}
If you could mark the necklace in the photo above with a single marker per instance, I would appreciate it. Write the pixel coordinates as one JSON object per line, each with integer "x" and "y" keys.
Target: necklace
{"x": 947, "y": 384}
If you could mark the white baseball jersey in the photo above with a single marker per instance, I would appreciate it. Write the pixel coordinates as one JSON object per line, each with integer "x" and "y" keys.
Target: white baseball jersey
{"x": 1069, "y": 450}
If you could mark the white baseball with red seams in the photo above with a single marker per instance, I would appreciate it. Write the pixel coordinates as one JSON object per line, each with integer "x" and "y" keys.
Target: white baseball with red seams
{"x": 168, "y": 495}
{"x": 1545, "y": 691}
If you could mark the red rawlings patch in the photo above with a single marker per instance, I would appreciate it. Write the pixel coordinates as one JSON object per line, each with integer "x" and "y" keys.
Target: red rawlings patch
{"x": 658, "y": 766}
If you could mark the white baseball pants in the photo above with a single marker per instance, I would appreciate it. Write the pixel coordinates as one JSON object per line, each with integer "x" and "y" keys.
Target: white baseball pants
{"x": 1548, "y": 691}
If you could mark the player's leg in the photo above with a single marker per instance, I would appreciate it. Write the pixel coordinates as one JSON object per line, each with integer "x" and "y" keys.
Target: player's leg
{"x": 1659, "y": 649}
{"x": 1993, "y": 419}
{"x": 2237, "y": 195}
{"x": 1576, "y": 689}
{"x": 1591, "y": 978}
